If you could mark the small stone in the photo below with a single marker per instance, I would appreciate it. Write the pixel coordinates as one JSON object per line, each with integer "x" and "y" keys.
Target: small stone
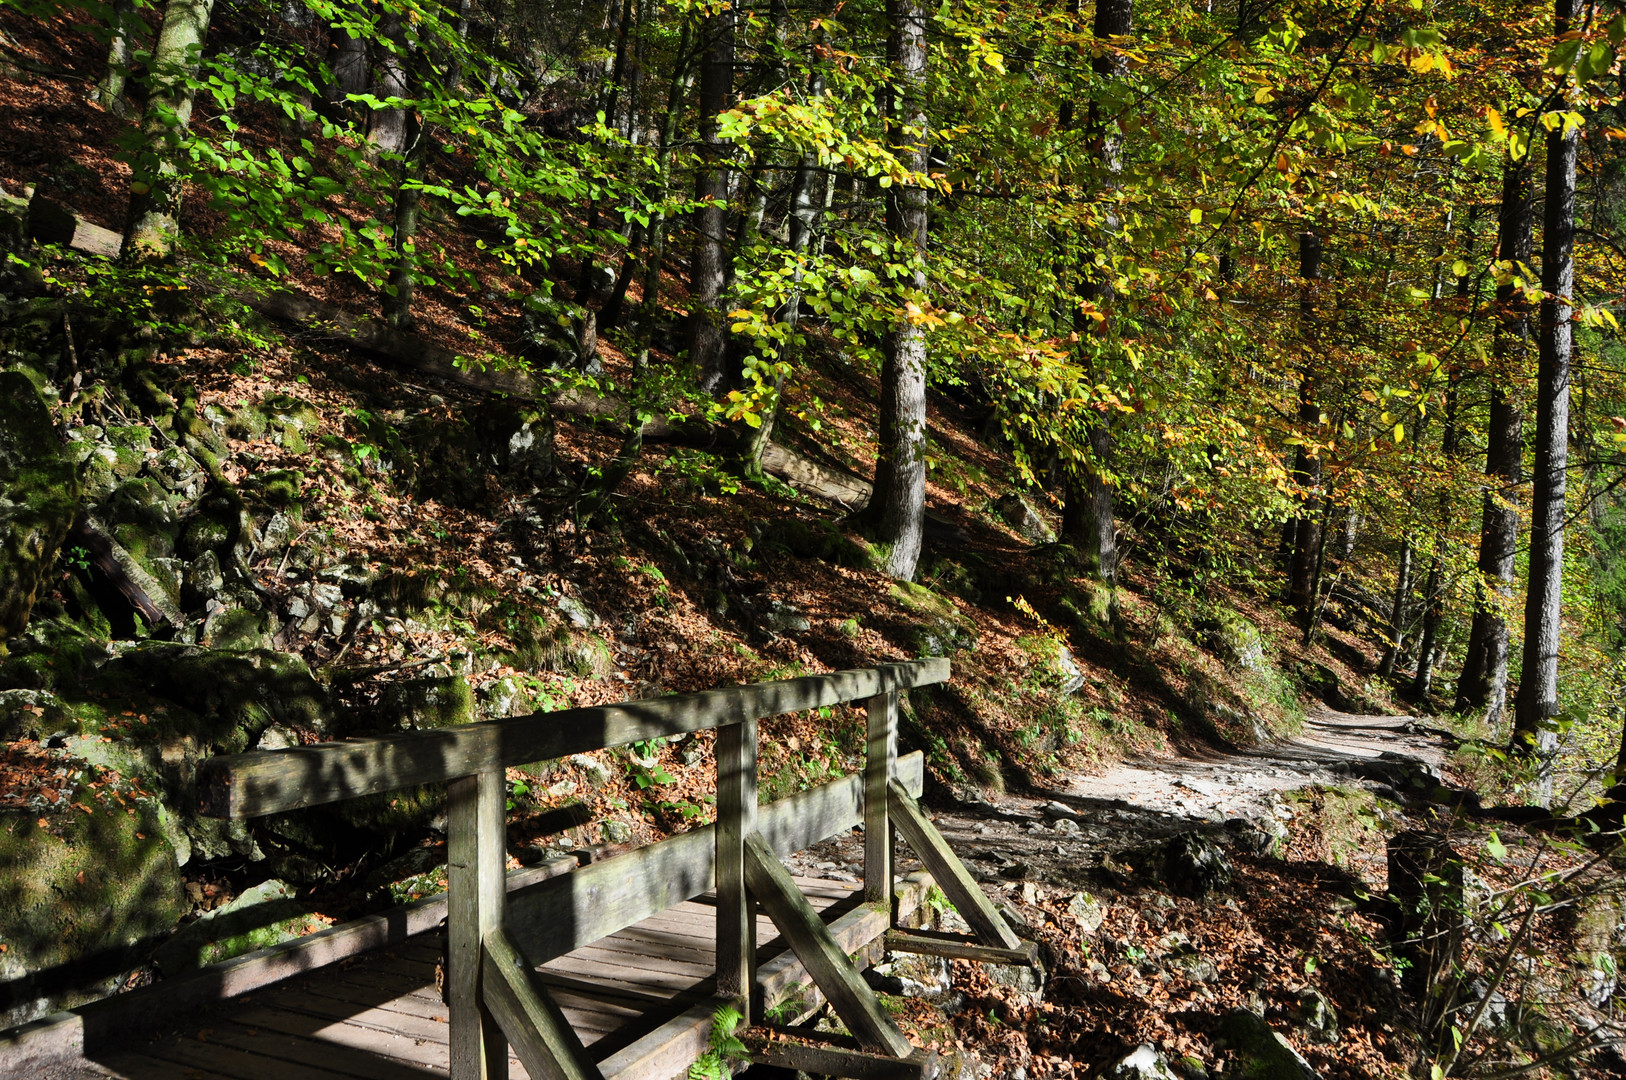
{"x": 1144, "y": 1063}
{"x": 615, "y": 832}
{"x": 593, "y": 770}
{"x": 580, "y": 616}
{"x": 1088, "y": 911}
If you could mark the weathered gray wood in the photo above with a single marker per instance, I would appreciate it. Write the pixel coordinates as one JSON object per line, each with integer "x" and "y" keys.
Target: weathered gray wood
{"x": 818, "y": 951}
{"x": 542, "y": 1037}
{"x": 475, "y": 851}
{"x": 112, "y": 1023}
{"x": 736, "y": 819}
{"x": 829, "y": 1057}
{"x": 595, "y": 901}
{"x": 952, "y": 877}
{"x": 880, "y": 763}
{"x": 669, "y": 1050}
{"x": 270, "y": 781}
{"x": 955, "y": 947}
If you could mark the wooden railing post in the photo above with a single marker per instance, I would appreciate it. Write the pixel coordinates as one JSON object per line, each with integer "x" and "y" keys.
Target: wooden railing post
{"x": 880, "y": 766}
{"x": 475, "y": 856}
{"x": 736, "y": 820}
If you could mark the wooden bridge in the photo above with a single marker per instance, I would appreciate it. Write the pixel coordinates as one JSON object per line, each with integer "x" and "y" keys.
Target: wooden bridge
{"x": 616, "y": 970}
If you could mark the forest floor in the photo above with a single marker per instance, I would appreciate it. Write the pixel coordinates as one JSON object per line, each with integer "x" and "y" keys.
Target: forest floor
{"x": 1145, "y": 953}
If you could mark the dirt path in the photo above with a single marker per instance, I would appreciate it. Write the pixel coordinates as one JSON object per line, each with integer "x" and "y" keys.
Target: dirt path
{"x": 1062, "y": 837}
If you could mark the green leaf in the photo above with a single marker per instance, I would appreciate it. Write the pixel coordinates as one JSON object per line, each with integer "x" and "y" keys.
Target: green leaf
{"x": 1494, "y": 845}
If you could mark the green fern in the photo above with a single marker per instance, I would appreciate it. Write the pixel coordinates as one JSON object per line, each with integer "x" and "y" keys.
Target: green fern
{"x": 725, "y": 1049}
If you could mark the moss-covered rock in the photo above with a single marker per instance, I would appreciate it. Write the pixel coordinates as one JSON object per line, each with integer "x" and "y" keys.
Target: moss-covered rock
{"x": 265, "y": 915}
{"x": 289, "y": 421}
{"x": 1235, "y": 640}
{"x": 239, "y": 630}
{"x": 432, "y": 702}
{"x": 232, "y": 696}
{"x": 39, "y": 494}
{"x": 78, "y": 887}
{"x": 813, "y": 540}
{"x": 281, "y": 487}
{"x": 143, "y": 504}
{"x": 938, "y": 628}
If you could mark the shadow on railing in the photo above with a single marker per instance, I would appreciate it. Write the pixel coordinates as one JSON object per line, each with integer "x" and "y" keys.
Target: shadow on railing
{"x": 495, "y": 940}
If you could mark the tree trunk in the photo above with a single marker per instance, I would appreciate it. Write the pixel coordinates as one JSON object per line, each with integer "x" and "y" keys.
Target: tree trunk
{"x": 1483, "y": 684}
{"x": 1306, "y": 466}
{"x": 1397, "y": 611}
{"x": 806, "y": 205}
{"x": 676, "y": 92}
{"x": 155, "y": 203}
{"x": 708, "y": 344}
{"x": 1434, "y": 588}
{"x": 347, "y": 59}
{"x": 1537, "y": 701}
{"x": 120, "y": 52}
{"x": 387, "y": 127}
{"x": 396, "y": 302}
{"x": 899, "y": 501}
{"x": 1433, "y": 609}
{"x": 1089, "y": 515}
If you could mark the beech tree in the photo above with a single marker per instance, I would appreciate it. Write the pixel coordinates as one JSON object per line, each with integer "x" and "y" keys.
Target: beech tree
{"x": 1537, "y": 702}
{"x": 899, "y": 499}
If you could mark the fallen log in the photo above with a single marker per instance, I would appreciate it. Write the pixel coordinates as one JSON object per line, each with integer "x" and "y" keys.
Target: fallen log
{"x": 124, "y": 573}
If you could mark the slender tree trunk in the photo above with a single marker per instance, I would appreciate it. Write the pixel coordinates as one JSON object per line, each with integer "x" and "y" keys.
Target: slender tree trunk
{"x": 1483, "y": 683}
{"x": 387, "y": 127}
{"x": 1434, "y": 587}
{"x": 396, "y": 302}
{"x": 609, "y": 105}
{"x": 708, "y": 350}
{"x": 1422, "y": 683}
{"x": 120, "y": 52}
{"x": 676, "y": 92}
{"x": 1089, "y": 514}
{"x": 155, "y": 204}
{"x": 1306, "y": 466}
{"x": 1537, "y": 702}
{"x": 1397, "y": 611}
{"x": 347, "y": 59}
{"x": 1313, "y": 619}
{"x": 806, "y": 205}
{"x": 899, "y": 501}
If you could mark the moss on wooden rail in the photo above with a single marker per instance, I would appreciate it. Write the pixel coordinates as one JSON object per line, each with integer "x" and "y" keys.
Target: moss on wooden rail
{"x": 272, "y": 781}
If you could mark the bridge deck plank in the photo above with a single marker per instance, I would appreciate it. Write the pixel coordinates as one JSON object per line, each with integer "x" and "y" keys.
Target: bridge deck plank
{"x": 381, "y": 1017}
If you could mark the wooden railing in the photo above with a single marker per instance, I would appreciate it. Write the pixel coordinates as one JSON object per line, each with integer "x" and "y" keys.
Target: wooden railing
{"x": 496, "y": 940}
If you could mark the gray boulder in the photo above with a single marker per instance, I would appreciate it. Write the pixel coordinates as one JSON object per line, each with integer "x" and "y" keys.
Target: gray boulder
{"x": 1263, "y": 1054}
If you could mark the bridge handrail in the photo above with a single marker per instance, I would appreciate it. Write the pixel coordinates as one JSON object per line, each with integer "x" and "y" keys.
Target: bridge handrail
{"x": 272, "y": 781}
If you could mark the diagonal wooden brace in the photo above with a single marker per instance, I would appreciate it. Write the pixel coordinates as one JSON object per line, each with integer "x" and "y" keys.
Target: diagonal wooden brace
{"x": 546, "y": 1044}
{"x": 949, "y": 872}
{"x": 770, "y": 883}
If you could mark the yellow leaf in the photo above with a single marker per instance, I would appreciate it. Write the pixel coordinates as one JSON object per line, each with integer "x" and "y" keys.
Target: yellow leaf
{"x": 1263, "y": 96}
{"x": 1196, "y": 216}
{"x": 1498, "y": 128}
{"x": 1400, "y": 433}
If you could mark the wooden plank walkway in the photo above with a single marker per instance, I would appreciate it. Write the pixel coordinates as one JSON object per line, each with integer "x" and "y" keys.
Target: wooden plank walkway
{"x": 380, "y": 1016}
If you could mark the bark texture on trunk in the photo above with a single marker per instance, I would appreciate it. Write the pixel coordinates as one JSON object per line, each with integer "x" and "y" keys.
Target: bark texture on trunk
{"x": 708, "y": 344}
{"x": 1397, "y": 611}
{"x": 899, "y": 502}
{"x": 387, "y": 128}
{"x": 153, "y": 227}
{"x": 120, "y": 52}
{"x": 1537, "y": 701}
{"x": 1483, "y": 683}
{"x": 1306, "y": 528}
{"x": 1089, "y": 515}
